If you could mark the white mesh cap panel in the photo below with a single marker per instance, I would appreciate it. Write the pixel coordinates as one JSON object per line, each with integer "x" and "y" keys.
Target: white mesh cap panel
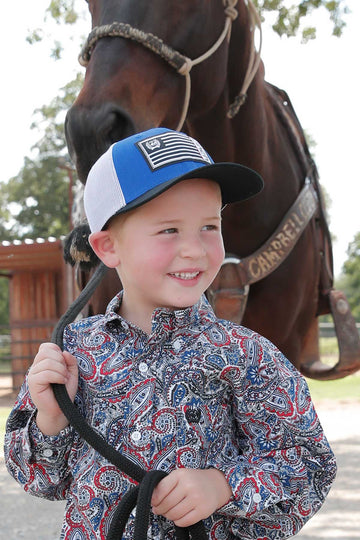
{"x": 103, "y": 196}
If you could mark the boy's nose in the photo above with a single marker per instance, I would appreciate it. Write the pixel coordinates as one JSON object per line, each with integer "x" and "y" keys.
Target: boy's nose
{"x": 192, "y": 247}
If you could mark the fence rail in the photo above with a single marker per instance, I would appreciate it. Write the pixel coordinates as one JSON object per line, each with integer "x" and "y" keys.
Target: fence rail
{"x": 18, "y": 346}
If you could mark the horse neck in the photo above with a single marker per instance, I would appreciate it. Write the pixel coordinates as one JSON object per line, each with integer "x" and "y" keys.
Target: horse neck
{"x": 255, "y": 138}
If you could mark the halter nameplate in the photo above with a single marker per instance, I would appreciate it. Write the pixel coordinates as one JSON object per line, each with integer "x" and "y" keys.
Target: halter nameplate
{"x": 280, "y": 244}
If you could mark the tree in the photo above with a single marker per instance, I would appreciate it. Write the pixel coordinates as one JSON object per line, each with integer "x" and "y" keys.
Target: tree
{"x": 39, "y": 194}
{"x": 350, "y": 279}
{"x": 288, "y": 19}
{"x": 35, "y": 203}
{"x": 4, "y": 300}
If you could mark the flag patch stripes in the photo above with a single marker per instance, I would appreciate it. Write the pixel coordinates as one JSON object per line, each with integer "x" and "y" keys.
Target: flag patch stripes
{"x": 169, "y": 148}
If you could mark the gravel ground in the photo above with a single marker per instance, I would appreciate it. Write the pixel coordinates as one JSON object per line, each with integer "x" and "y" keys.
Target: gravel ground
{"x": 25, "y": 517}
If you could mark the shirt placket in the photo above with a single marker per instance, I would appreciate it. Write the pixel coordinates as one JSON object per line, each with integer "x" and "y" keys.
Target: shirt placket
{"x": 142, "y": 402}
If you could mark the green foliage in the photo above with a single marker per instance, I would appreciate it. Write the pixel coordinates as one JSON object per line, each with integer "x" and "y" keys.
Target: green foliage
{"x": 39, "y": 194}
{"x": 63, "y": 11}
{"x": 49, "y": 119}
{"x": 4, "y": 414}
{"x": 340, "y": 389}
{"x": 35, "y": 203}
{"x": 350, "y": 279}
{"x": 4, "y": 302}
{"x": 35, "y": 36}
{"x": 291, "y": 19}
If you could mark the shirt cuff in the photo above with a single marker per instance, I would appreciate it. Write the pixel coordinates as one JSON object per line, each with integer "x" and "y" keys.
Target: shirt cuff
{"x": 48, "y": 448}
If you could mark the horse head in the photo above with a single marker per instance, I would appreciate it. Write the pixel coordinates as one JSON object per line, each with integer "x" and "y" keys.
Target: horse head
{"x": 193, "y": 65}
{"x": 147, "y": 71}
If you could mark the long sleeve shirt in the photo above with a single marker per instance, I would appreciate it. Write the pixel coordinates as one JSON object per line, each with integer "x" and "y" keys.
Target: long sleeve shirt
{"x": 198, "y": 392}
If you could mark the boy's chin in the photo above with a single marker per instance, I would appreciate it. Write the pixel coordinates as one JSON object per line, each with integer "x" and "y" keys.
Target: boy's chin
{"x": 185, "y": 305}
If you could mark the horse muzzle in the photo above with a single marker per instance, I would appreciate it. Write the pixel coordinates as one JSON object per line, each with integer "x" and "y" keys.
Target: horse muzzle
{"x": 90, "y": 132}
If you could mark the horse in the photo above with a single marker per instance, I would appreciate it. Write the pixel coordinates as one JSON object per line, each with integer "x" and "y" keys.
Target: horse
{"x": 193, "y": 66}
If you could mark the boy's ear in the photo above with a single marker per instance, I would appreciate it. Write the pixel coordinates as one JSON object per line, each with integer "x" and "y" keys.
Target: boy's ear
{"x": 103, "y": 244}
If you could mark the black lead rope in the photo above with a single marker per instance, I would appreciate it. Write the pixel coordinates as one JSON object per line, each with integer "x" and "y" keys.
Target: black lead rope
{"x": 140, "y": 495}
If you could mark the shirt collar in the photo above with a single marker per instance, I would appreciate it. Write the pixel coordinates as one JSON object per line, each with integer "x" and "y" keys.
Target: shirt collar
{"x": 164, "y": 320}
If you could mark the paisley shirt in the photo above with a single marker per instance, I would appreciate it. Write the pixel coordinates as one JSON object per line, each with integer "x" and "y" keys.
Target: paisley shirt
{"x": 198, "y": 392}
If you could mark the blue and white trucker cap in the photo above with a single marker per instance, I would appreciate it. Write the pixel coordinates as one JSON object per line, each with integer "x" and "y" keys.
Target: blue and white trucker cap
{"x": 139, "y": 168}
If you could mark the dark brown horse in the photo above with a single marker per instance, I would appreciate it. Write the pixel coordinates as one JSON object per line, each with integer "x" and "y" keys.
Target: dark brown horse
{"x": 138, "y": 76}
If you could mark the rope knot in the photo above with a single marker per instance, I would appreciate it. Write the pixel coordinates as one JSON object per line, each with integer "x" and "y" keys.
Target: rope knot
{"x": 236, "y": 104}
{"x": 186, "y": 67}
{"x": 230, "y": 10}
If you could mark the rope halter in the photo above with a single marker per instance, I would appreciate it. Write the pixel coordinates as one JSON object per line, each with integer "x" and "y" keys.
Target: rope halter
{"x": 181, "y": 63}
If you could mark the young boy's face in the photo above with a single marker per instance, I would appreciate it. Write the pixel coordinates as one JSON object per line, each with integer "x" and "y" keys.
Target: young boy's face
{"x": 170, "y": 249}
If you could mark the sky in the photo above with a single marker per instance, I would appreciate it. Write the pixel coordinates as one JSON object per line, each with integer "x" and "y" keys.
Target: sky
{"x": 321, "y": 79}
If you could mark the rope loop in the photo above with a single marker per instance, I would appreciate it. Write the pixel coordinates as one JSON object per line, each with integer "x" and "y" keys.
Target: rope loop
{"x": 230, "y": 10}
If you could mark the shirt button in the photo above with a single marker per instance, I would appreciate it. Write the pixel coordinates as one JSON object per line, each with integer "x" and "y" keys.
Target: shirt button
{"x": 48, "y": 452}
{"x": 136, "y": 436}
{"x": 257, "y": 497}
{"x": 143, "y": 367}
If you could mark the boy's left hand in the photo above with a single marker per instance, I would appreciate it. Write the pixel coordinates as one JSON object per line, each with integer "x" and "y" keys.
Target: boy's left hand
{"x": 186, "y": 496}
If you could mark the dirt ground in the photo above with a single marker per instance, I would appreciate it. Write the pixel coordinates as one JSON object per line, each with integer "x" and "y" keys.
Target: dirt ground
{"x": 25, "y": 517}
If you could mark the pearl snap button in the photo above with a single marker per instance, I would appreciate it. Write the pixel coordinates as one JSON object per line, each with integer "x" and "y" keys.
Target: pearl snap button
{"x": 143, "y": 367}
{"x": 136, "y": 435}
{"x": 257, "y": 497}
{"x": 48, "y": 452}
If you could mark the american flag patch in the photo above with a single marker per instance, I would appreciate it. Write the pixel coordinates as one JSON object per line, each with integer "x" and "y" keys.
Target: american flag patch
{"x": 169, "y": 148}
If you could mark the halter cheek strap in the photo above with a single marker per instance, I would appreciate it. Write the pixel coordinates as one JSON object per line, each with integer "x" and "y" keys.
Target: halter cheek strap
{"x": 180, "y": 62}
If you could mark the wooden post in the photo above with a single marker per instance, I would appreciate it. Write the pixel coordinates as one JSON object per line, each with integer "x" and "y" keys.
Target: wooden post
{"x": 41, "y": 289}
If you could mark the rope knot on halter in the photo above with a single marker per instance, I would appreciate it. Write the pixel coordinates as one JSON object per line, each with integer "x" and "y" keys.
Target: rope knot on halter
{"x": 230, "y": 10}
{"x": 186, "y": 67}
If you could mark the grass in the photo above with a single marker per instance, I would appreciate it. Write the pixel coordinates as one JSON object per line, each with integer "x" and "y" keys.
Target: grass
{"x": 4, "y": 413}
{"x": 341, "y": 389}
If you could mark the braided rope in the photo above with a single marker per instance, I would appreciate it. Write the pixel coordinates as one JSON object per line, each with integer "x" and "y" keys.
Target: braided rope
{"x": 125, "y": 30}
{"x": 178, "y": 61}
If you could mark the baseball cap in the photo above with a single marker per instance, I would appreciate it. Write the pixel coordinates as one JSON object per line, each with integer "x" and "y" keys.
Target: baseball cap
{"x": 139, "y": 168}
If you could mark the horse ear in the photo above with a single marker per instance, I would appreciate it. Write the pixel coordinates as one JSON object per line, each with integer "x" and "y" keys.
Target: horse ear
{"x": 103, "y": 245}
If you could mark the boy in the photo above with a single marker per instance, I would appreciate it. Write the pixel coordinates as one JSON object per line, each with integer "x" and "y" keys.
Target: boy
{"x": 161, "y": 378}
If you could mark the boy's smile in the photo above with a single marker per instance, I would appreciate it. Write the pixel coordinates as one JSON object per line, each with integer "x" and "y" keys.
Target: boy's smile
{"x": 169, "y": 250}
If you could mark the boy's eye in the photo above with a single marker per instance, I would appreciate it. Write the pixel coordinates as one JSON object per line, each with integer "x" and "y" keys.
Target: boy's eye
{"x": 170, "y": 230}
{"x": 210, "y": 228}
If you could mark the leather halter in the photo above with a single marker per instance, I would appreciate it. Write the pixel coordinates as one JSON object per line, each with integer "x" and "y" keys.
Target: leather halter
{"x": 178, "y": 61}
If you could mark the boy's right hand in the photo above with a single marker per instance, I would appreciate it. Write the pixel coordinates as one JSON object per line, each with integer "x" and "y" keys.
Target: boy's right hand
{"x": 51, "y": 365}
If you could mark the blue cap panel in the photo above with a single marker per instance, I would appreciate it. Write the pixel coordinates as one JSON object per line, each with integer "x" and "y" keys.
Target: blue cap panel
{"x": 147, "y": 162}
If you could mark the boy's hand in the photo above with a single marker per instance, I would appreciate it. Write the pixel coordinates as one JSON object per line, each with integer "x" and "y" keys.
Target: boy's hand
{"x": 186, "y": 496}
{"x": 51, "y": 365}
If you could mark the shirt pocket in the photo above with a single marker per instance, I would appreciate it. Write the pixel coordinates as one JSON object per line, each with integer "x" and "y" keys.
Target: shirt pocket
{"x": 200, "y": 430}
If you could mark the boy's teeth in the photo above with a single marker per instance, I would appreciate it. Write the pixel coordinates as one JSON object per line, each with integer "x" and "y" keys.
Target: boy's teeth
{"x": 185, "y": 275}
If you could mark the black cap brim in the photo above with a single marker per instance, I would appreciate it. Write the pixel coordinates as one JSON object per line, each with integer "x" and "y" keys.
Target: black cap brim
{"x": 237, "y": 183}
